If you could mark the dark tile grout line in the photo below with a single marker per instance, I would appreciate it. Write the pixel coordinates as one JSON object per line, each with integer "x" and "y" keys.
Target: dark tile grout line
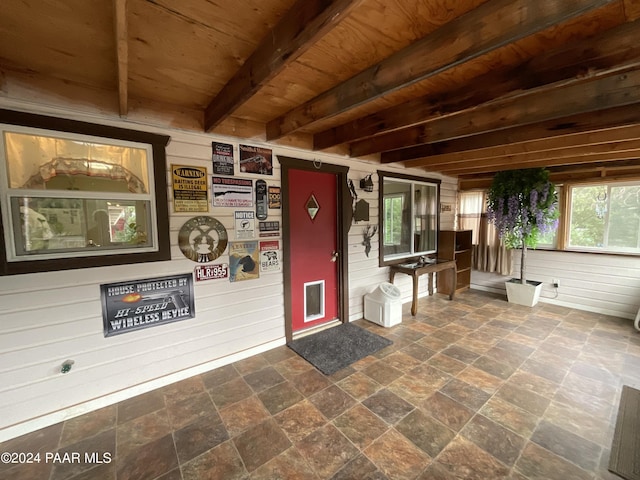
{"x": 397, "y": 335}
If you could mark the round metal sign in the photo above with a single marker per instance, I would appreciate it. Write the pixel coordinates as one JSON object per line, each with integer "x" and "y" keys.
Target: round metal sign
{"x": 202, "y": 239}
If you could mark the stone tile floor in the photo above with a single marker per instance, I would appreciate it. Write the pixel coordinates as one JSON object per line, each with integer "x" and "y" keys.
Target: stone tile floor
{"x": 471, "y": 389}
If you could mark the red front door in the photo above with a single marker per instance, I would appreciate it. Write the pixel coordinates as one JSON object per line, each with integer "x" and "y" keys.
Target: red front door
{"x": 313, "y": 218}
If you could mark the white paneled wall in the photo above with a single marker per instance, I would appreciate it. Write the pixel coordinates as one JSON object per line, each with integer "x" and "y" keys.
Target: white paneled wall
{"x": 608, "y": 284}
{"x": 364, "y": 273}
{"x": 48, "y": 318}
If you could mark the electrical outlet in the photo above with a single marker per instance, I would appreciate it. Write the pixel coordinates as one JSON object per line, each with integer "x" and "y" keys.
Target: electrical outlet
{"x": 556, "y": 283}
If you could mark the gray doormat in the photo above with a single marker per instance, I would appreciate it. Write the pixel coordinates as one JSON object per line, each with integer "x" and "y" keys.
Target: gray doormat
{"x": 338, "y": 347}
{"x": 625, "y": 449}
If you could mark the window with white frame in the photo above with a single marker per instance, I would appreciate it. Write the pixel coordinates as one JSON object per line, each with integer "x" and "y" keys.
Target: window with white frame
{"x": 604, "y": 217}
{"x": 67, "y": 195}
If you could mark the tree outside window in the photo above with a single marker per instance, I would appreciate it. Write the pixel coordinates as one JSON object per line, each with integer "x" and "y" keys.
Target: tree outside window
{"x": 393, "y": 206}
{"x": 605, "y": 217}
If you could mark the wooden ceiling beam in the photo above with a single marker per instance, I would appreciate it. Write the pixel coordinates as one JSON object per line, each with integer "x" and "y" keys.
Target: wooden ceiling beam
{"x": 611, "y": 88}
{"x": 299, "y": 29}
{"x": 493, "y": 164}
{"x": 613, "y": 47}
{"x": 526, "y": 148}
{"x": 627, "y": 115}
{"x": 621, "y": 165}
{"x": 122, "y": 54}
{"x": 416, "y": 111}
{"x": 541, "y": 161}
{"x": 632, "y": 9}
{"x": 617, "y": 170}
{"x": 488, "y": 27}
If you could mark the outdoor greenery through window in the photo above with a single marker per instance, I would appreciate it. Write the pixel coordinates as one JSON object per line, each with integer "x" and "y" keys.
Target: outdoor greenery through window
{"x": 605, "y": 217}
{"x": 472, "y": 205}
{"x": 599, "y": 217}
{"x": 409, "y": 216}
{"x": 393, "y": 205}
{"x": 549, "y": 240}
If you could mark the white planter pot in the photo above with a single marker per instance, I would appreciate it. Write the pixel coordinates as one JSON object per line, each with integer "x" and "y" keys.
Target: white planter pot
{"x": 527, "y": 295}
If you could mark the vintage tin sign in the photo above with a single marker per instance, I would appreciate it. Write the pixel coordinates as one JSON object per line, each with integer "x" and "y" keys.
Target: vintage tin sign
{"x": 257, "y": 160}
{"x": 134, "y": 305}
{"x": 245, "y": 224}
{"x": 244, "y": 263}
{"x": 270, "y": 256}
{"x": 222, "y": 158}
{"x": 211, "y": 272}
{"x": 189, "y": 188}
{"x": 269, "y": 229}
{"x": 232, "y": 192}
{"x": 202, "y": 239}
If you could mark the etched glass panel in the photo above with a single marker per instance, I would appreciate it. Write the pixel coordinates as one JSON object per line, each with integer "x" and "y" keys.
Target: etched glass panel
{"x": 312, "y": 207}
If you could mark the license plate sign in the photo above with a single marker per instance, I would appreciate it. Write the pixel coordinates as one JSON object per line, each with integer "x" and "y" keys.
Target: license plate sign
{"x": 211, "y": 272}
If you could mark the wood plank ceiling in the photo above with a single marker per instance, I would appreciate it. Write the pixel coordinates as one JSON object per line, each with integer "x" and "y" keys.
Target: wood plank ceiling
{"x": 461, "y": 87}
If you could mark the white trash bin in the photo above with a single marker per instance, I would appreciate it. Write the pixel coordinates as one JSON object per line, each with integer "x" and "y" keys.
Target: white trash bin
{"x": 383, "y": 306}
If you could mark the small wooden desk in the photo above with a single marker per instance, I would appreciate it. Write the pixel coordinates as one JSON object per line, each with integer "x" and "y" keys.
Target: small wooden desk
{"x": 416, "y": 269}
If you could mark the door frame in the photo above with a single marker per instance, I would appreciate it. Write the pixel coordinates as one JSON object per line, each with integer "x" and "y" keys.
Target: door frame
{"x": 344, "y": 216}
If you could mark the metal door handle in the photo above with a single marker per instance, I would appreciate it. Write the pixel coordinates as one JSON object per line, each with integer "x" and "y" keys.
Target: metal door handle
{"x": 334, "y": 256}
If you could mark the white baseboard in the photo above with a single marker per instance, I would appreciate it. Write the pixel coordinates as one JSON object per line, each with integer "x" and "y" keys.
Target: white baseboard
{"x": 52, "y": 418}
{"x": 560, "y": 303}
{"x": 482, "y": 288}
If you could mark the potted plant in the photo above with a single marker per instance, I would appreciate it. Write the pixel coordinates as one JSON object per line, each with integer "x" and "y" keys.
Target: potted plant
{"x": 523, "y": 205}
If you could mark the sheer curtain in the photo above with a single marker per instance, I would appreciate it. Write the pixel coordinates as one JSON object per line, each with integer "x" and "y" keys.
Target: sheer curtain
{"x": 489, "y": 254}
{"x": 426, "y": 210}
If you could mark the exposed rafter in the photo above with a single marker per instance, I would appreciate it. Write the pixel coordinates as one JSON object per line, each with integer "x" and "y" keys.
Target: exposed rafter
{"x": 607, "y": 50}
{"x": 480, "y": 31}
{"x": 299, "y": 28}
{"x": 611, "y": 171}
{"x": 615, "y": 87}
{"x": 512, "y": 151}
{"x": 444, "y": 86}
{"x": 632, "y": 9}
{"x": 122, "y": 54}
{"x": 608, "y": 152}
{"x": 628, "y": 115}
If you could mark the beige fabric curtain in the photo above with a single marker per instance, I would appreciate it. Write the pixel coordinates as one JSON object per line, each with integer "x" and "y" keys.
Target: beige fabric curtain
{"x": 471, "y": 208}
{"x": 489, "y": 254}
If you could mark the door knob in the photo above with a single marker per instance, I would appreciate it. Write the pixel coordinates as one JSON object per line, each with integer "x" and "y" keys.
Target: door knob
{"x": 334, "y": 256}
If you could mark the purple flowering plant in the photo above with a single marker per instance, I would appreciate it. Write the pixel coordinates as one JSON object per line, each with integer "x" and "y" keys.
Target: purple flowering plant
{"x": 523, "y": 205}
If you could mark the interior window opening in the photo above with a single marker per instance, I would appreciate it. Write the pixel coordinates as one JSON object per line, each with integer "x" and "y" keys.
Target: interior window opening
{"x": 409, "y": 217}
{"x": 67, "y": 195}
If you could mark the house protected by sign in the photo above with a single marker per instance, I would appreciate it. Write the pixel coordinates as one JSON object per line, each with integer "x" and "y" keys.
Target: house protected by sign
{"x": 129, "y": 306}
